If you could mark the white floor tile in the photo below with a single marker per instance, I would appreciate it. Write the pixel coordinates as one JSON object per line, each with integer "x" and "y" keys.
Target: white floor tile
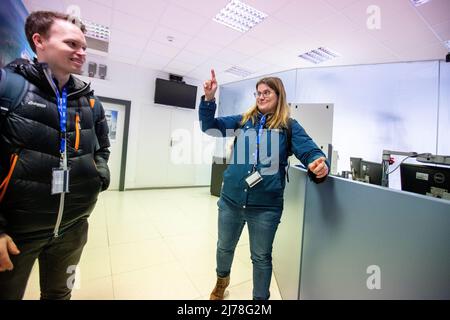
{"x": 139, "y": 255}
{"x": 97, "y": 289}
{"x": 167, "y": 281}
{"x": 95, "y": 263}
{"x": 131, "y": 231}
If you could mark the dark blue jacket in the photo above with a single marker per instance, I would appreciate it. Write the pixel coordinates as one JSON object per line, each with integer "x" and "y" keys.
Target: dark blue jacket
{"x": 268, "y": 192}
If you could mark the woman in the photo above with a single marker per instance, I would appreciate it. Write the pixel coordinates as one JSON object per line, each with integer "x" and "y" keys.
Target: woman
{"x": 252, "y": 191}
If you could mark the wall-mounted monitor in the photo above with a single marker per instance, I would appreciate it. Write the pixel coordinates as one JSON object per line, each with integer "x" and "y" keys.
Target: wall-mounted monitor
{"x": 175, "y": 93}
{"x": 427, "y": 180}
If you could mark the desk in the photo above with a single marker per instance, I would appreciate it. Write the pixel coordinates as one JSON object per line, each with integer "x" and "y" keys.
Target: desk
{"x": 332, "y": 236}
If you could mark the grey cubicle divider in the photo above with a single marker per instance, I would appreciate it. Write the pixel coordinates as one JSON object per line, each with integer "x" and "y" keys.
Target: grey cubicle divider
{"x": 353, "y": 232}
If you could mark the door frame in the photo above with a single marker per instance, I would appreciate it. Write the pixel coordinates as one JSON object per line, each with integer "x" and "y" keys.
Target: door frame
{"x": 123, "y": 160}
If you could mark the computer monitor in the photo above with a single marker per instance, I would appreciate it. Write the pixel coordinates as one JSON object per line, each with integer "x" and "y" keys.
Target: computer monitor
{"x": 427, "y": 180}
{"x": 355, "y": 168}
{"x": 371, "y": 172}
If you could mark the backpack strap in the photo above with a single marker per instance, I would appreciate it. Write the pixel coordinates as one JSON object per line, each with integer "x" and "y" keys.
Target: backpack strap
{"x": 13, "y": 88}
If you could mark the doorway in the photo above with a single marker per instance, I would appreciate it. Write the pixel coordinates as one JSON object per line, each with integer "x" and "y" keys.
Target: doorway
{"x": 117, "y": 113}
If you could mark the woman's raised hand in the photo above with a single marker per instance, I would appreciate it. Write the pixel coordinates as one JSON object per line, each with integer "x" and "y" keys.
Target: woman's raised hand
{"x": 210, "y": 86}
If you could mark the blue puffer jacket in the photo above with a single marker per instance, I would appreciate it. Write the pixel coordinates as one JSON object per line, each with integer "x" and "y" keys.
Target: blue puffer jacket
{"x": 268, "y": 192}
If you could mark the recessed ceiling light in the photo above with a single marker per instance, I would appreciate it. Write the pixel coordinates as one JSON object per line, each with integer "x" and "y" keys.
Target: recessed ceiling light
{"x": 96, "y": 31}
{"x": 319, "y": 55}
{"x": 239, "y": 16}
{"x": 97, "y": 37}
{"x": 418, "y": 3}
{"x": 240, "y": 72}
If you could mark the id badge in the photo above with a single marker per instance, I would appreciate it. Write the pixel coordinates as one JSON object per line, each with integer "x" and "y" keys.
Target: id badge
{"x": 253, "y": 179}
{"x": 60, "y": 180}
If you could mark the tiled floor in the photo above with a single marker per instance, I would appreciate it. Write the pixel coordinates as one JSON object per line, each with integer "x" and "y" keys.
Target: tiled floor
{"x": 155, "y": 244}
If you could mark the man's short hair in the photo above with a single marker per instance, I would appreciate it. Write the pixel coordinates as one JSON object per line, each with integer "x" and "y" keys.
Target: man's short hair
{"x": 41, "y": 22}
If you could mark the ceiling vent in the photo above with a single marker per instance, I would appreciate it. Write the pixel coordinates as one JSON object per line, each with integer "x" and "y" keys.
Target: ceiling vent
{"x": 418, "y": 3}
{"x": 240, "y": 72}
{"x": 239, "y": 16}
{"x": 319, "y": 55}
{"x": 97, "y": 37}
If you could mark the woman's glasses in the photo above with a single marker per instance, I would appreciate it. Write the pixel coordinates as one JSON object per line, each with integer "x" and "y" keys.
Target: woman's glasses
{"x": 264, "y": 94}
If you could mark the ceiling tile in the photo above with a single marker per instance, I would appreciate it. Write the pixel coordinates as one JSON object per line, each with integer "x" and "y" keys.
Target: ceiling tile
{"x": 205, "y": 8}
{"x": 137, "y": 26}
{"x": 180, "y": 19}
{"x": 340, "y": 4}
{"x": 154, "y": 61}
{"x": 147, "y": 10}
{"x": 361, "y": 45}
{"x": 231, "y": 56}
{"x": 162, "y": 49}
{"x": 302, "y": 13}
{"x": 335, "y": 27}
{"x": 123, "y": 51}
{"x": 443, "y": 30}
{"x": 126, "y": 39}
{"x": 180, "y": 66}
{"x": 179, "y": 39}
{"x": 107, "y": 3}
{"x": 218, "y": 33}
{"x": 191, "y": 57}
{"x": 203, "y": 46}
{"x": 248, "y": 45}
{"x": 255, "y": 65}
{"x": 272, "y": 31}
{"x": 436, "y": 11}
{"x": 400, "y": 25}
{"x": 428, "y": 52}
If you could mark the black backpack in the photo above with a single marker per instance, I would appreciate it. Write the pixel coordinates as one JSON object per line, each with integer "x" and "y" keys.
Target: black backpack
{"x": 13, "y": 88}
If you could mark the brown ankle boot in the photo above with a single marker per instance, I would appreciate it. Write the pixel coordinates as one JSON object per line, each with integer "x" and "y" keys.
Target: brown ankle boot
{"x": 219, "y": 289}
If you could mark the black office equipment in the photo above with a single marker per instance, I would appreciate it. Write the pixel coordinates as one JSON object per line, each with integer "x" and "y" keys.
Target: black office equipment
{"x": 366, "y": 171}
{"x": 355, "y": 168}
{"x": 371, "y": 171}
{"x": 175, "y": 93}
{"x": 427, "y": 180}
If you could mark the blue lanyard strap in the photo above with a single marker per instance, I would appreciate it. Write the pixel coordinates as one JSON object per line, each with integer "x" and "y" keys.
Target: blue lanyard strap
{"x": 260, "y": 131}
{"x": 62, "y": 110}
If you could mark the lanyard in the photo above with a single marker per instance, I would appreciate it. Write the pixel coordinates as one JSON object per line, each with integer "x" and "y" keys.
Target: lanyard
{"x": 260, "y": 131}
{"x": 62, "y": 110}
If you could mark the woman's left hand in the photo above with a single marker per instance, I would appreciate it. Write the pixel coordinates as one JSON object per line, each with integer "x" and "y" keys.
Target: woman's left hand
{"x": 319, "y": 167}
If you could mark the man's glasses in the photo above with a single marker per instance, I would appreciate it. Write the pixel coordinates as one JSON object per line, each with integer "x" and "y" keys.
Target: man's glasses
{"x": 264, "y": 94}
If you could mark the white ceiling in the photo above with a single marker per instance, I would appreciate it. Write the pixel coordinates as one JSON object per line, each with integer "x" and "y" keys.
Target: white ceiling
{"x": 139, "y": 31}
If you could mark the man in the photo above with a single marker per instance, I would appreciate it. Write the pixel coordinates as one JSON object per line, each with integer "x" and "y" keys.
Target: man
{"x": 53, "y": 159}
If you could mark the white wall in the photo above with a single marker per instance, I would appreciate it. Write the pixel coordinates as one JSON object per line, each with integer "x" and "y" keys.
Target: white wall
{"x": 396, "y": 106}
{"x": 148, "y": 131}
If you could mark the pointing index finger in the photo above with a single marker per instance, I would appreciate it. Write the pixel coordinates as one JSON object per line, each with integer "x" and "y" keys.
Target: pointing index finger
{"x": 213, "y": 74}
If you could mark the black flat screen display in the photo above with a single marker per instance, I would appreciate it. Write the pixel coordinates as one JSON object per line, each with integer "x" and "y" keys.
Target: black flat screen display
{"x": 173, "y": 93}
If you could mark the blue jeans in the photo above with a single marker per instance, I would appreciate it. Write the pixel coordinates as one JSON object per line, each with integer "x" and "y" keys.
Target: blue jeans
{"x": 262, "y": 224}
